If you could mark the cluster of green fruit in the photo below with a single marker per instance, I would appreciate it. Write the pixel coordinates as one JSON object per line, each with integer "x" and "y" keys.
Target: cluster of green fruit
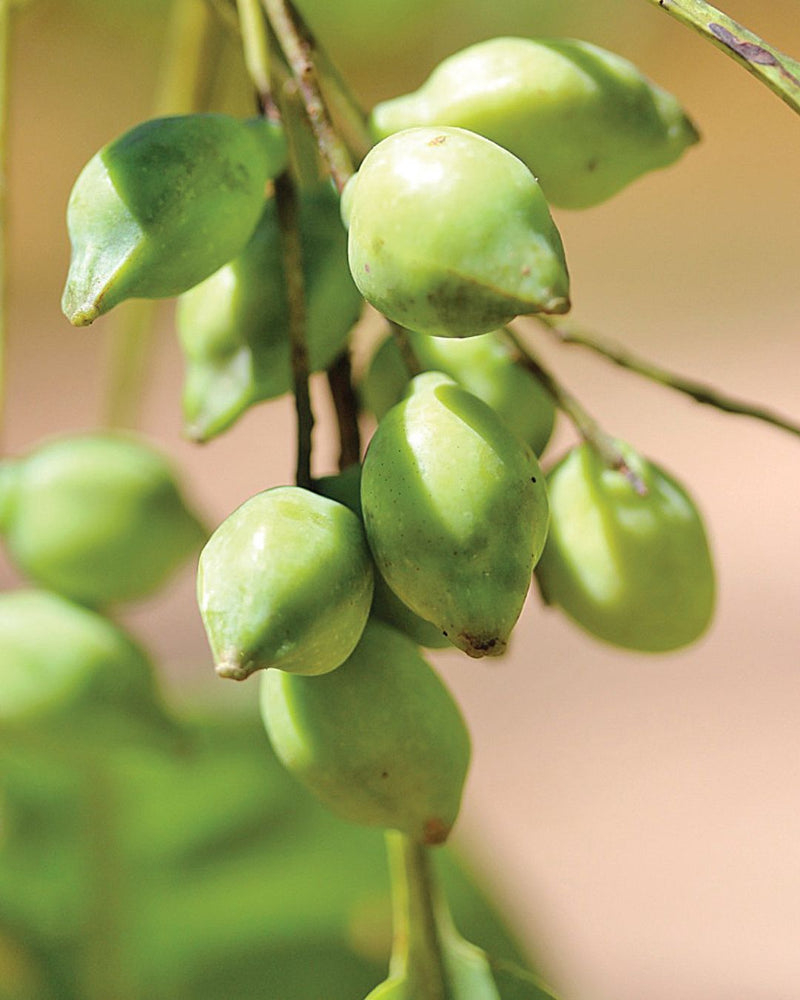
{"x": 434, "y": 539}
{"x": 93, "y": 520}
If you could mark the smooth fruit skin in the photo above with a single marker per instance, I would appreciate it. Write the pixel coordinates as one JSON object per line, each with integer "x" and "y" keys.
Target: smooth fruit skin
{"x": 380, "y": 740}
{"x": 633, "y": 570}
{"x": 163, "y": 206}
{"x": 483, "y": 365}
{"x": 455, "y": 510}
{"x": 585, "y": 121}
{"x": 97, "y": 517}
{"x": 285, "y": 581}
{"x": 234, "y": 326}
{"x": 386, "y": 605}
{"x": 450, "y": 235}
{"x": 56, "y": 656}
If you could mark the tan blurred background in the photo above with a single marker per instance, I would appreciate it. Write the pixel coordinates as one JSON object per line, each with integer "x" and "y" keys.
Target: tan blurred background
{"x": 639, "y": 816}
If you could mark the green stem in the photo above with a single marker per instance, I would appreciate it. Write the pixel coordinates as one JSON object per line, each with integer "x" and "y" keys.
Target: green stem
{"x": 5, "y": 73}
{"x": 698, "y": 391}
{"x": 773, "y": 68}
{"x": 131, "y": 339}
{"x": 416, "y": 949}
{"x": 344, "y": 106}
{"x": 192, "y": 49}
{"x": 288, "y": 220}
{"x": 586, "y": 425}
{"x": 299, "y": 48}
{"x": 184, "y": 84}
{"x": 255, "y": 45}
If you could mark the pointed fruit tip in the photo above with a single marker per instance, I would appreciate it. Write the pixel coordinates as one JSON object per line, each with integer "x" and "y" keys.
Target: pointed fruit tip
{"x": 231, "y": 670}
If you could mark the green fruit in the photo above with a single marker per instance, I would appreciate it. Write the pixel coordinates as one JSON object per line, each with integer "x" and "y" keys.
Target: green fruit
{"x": 483, "y": 365}
{"x": 163, "y": 206}
{"x": 57, "y": 658}
{"x": 450, "y": 235}
{"x": 386, "y": 605}
{"x": 455, "y": 511}
{"x": 633, "y": 570}
{"x": 584, "y": 121}
{"x": 380, "y": 740}
{"x": 234, "y": 325}
{"x": 285, "y": 581}
{"x": 97, "y": 517}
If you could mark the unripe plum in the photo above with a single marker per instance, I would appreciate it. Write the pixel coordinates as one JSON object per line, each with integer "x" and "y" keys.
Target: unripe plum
{"x": 633, "y": 570}
{"x": 163, "y": 206}
{"x": 450, "y": 235}
{"x": 455, "y": 510}
{"x": 97, "y": 517}
{"x": 380, "y": 740}
{"x": 585, "y": 121}
{"x": 483, "y": 365}
{"x": 285, "y": 581}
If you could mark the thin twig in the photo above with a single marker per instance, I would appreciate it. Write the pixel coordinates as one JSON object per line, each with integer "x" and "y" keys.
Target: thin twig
{"x": 288, "y": 219}
{"x": 299, "y": 48}
{"x": 345, "y": 402}
{"x": 586, "y": 425}
{"x": 255, "y": 47}
{"x": 698, "y": 391}
{"x": 407, "y": 352}
{"x": 773, "y": 68}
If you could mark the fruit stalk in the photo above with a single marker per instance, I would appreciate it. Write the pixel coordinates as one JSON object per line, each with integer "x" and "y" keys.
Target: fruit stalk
{"x": 772, "y": 67}
{"x": 184, "y": 82}
{"x": 585, "y": 423}
{"x": 299, "y": 49}
{"x": 286, "y": 204}
{"x": 345, "y": 404}
{"x": 700, "y": 392}
{"x": 416, "y": 949}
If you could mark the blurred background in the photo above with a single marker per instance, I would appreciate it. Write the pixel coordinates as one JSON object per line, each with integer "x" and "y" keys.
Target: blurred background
{"x": 639, "y": 817}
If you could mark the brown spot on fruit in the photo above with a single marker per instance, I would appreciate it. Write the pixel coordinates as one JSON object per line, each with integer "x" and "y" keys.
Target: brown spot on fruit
{"x": 435, "y": 832}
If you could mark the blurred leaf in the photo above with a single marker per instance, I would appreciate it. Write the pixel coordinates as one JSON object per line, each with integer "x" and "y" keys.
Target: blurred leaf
{"x": 228, "y": 878}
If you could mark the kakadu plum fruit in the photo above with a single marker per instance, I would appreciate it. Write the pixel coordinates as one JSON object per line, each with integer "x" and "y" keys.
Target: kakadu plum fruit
{"x": 57, "y": 658}
{"x": 234, "y": 326}
{"x": 285, "y": 581}
{"x": 450, "y": 235}
{"x": 386, "y": 605}
{"x": 483, "y": 365}
{"x": 633, "y": 570}
{"x": 163, "y": 206}
{"x": 455, "y": 511}
{"x": 585, "y": 121}
{"x": 379, "y": 740}
{"x": 97, "y": 517}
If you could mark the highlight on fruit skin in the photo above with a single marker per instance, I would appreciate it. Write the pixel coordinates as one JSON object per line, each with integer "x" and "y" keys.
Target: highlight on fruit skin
{"x": 163, "y": 206}
{"x": 450, "y": 235}
{"x": 285, "y": 581}
{"x": 635, "y": 571}
{"x": 456, "y": 513}
{"x": 379, "y": 740}
{"x": 585, "y": 121}
{"x": 234, "y": 326}
{"x": 98, "y": 517}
